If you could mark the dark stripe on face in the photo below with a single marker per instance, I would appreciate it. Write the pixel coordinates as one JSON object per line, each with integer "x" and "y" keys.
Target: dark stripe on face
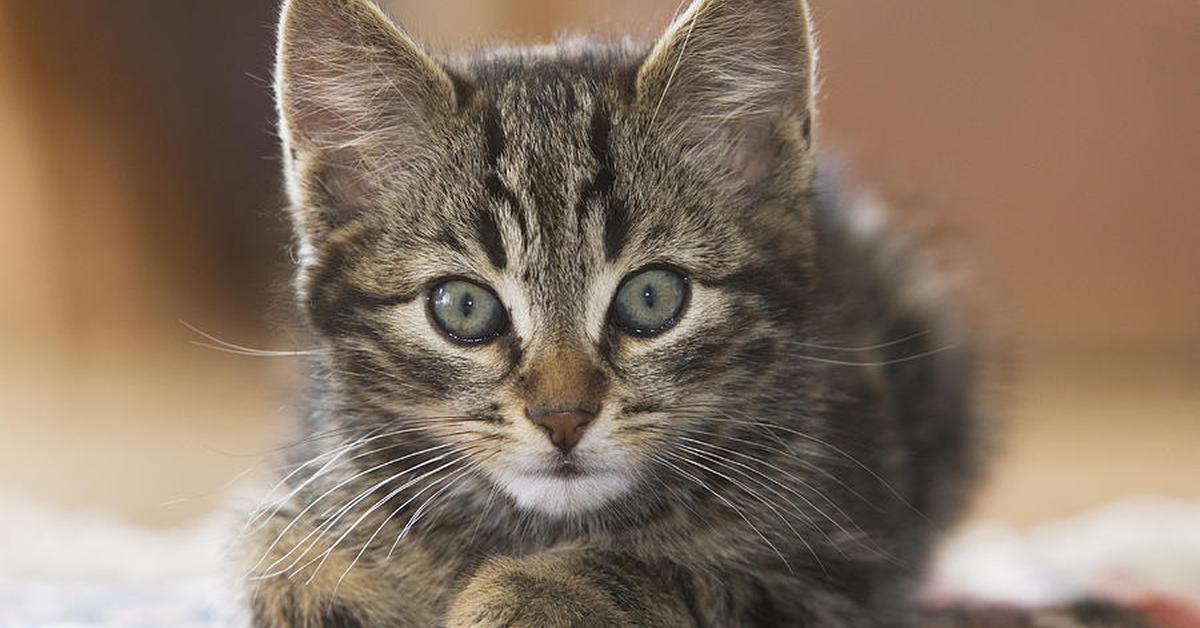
{"x": 334, "y": 301}
{"x": 447, "y": 237}
{"x": 497, "y": 190}
{"x": 616, "y": 229}
{"x": 783, "y": 293}
{"x": 494, "y": 145}
{"x": 417, "y": 368}
{"x": 601, "y": 184}
{"x": 488, "y": 233}
{"x": 493, "y": 135}
{"x": 616, "y": 218}
{"x": 701, "y": 357}
{"x": 511, "y": 343}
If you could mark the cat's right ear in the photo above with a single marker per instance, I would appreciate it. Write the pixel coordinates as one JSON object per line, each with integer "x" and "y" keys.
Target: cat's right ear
{"x": 357, "y": 101}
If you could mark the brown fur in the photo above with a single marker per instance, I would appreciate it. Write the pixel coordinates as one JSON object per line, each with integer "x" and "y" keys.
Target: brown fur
{"x": 783, "y": 454}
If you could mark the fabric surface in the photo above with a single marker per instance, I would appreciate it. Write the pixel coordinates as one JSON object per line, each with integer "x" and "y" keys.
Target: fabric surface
{"x": 69, "y": 569}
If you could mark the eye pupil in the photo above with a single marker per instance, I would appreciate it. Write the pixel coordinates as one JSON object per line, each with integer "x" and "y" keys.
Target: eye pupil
{"x": 648, "y": 297}
{"x": 468, "y": 304}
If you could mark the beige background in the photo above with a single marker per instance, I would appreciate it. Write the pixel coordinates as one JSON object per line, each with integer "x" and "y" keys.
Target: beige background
{"x": 1052, "y": 144}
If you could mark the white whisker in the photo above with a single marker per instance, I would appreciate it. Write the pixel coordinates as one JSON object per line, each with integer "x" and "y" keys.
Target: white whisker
{"x": 729, "y": 504}
{"x": 236, "y": 349}
{"x": 329, "y": 492}
{"x": 758, "y": 496}
{"x": 324, "y": 556}
{"x": 874, "y": 347}
{"x": 907, "y": 358}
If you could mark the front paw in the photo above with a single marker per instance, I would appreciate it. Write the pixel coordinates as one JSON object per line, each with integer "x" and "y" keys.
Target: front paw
{"x": 533, "y": 593}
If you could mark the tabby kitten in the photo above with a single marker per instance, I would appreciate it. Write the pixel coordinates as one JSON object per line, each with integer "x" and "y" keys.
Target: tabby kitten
{"x": 594, "y": 346}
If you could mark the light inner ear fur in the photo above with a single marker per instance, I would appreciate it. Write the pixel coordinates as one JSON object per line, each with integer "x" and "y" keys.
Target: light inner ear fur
{"x": 734, "y": 81}
{"x": 351, "y": 86}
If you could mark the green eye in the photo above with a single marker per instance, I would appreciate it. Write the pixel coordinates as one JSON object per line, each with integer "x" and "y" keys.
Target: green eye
{"x": 649, "y": 302}
{"x": 467, "y": 312}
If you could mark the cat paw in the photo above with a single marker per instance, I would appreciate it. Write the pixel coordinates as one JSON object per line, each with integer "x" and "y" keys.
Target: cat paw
{"x": 532, "y": 594}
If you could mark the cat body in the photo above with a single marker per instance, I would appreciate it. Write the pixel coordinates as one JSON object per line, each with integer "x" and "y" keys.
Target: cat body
{"x": 595, "y": 344}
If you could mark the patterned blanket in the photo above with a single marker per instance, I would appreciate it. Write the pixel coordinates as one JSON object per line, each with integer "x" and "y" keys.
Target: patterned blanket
{"x": 1128, "y": 564}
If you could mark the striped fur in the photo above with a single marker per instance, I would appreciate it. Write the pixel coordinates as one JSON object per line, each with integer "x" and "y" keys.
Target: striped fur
{"x": 784, "y": 455}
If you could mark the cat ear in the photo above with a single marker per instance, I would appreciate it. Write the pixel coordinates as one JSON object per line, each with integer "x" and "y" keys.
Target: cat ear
{"x": 734, "y": 80}
{"x": 351, "y": 87}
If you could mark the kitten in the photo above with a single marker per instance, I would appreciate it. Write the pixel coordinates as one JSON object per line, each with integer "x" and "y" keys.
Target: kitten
{"x": 596, "y": 345}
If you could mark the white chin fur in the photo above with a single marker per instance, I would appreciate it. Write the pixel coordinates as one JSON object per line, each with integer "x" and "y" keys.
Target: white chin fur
{"x": 559, "y": 497}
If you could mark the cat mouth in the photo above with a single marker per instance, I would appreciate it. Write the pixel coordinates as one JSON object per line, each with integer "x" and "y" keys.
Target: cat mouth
{"x": 564, "y": 469}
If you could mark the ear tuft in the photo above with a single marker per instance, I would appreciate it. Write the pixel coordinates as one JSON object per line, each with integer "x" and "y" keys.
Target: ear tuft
{"x": 735, "y": 77}
{"x": 358, "y": 100}
{"x": 342, "y": 66}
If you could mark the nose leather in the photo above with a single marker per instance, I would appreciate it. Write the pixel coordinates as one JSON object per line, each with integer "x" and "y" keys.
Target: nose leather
{"x": 564, "y": 428}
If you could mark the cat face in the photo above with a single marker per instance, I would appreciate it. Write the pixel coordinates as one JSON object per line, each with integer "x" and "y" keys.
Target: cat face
{"x": 551, "y": 265}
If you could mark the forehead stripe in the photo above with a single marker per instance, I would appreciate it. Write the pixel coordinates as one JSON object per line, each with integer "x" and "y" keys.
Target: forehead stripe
{"x": 601, "y": 183}
{"x": 488, "y": 233}
{"x": 616, "y": 217}
{"x": 494, "y": 144}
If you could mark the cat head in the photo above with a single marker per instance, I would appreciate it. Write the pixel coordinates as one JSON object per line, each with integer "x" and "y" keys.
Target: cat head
{"x": 553, "y": 264}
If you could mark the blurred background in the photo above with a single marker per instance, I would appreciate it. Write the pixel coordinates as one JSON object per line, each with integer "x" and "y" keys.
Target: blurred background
{"x": 1054, "y": 144}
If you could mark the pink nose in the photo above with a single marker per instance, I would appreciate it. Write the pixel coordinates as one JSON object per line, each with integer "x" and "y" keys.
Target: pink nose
{"x": 564, "y": 428}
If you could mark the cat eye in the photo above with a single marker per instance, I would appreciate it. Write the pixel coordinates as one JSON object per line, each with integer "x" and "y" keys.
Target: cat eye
{"x": 649, "y": 302}
{"x": 467, "y": 312}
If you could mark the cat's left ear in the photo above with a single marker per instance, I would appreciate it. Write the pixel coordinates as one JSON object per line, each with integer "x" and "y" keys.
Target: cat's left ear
{"x": 734, "y": 80}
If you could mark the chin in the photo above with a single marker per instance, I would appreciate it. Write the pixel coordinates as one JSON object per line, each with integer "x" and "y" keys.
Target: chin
{"x": 559, "y": 494}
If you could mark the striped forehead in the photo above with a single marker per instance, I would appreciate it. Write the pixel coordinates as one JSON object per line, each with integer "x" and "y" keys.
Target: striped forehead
{"x": 548, "y": 149}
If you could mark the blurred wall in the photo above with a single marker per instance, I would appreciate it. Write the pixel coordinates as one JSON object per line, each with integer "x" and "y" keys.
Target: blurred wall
{"x": 139, "y": 170}
{"x": 1054, "y": 142}
{"x": 1058, "y": 139}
